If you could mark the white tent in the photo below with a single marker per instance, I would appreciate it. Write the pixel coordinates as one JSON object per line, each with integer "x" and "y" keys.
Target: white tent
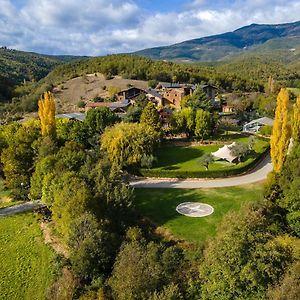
{"x": 225, "y": 153}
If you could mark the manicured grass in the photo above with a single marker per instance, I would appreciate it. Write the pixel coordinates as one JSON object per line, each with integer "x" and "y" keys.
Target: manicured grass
{"x": 26, "y": 263}
{"x": 160, "y": 204}
{"x": 183, "y": 160}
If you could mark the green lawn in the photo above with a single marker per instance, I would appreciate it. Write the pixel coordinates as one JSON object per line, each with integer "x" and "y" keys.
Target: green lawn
{"x": 178, "y": 161}
{"x": 26, "y": 263}
{"x": 159, "y": 205}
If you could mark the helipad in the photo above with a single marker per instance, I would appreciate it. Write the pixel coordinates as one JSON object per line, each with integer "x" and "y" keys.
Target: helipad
{"x": 194, "y": 209}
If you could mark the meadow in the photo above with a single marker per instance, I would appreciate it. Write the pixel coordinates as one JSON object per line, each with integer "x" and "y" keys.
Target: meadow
{"x": 26, "y": 263}
{"x": 160, "y": 206}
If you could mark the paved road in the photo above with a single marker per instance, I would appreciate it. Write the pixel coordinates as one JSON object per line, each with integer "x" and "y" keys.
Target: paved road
{"x": 18, "y": 208}
{"x": 258, "y": 174}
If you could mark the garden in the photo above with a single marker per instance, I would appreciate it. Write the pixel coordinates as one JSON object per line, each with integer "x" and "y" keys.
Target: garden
{"x": 176, "y": 161}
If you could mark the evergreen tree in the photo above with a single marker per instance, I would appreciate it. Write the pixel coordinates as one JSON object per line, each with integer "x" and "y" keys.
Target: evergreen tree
{"x": 47, "y": 114}
{"x": 281, "y": 131}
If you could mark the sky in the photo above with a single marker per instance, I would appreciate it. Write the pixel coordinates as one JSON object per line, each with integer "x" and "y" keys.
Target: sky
{"x": 100, "y": 27}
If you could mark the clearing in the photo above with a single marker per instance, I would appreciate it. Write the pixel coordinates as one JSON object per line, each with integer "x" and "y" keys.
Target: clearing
{"x": 87, "y": 87}
{"x": 26, "y": 263}
{"x": 160, "y": 206}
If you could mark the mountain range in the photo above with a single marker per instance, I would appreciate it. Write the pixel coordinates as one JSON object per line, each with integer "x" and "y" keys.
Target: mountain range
{"x": 280, "y": 39}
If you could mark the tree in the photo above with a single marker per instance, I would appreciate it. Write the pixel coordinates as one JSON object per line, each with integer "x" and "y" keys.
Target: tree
{"x": 205, "y": 160}
{"x": 47, "y": 114}
{"x": 296, "y": 121}
{"x": 289, "y": 286}
{"x": 202, "y": 124}
{"x": 252, "y": 141}
{"x": 143, "y": 269}
{"x": 152, "y": 83}
{"x": 91, "y": 253}
{"x": 281, "y": 131}
{"x": 133, "y": 114}
{"x": 184, "y": 121}
{"x": 198, "y": 100}
{"x": 141, "y": 101}
{"x": 113, "y": 90}
{"x": 18, "y": 156}
{"x": 150, "y": 117}
{"x": 99, "y": 118}
{"x": 246, "y": 256}
{"x": 239, "y": 150}
{"x": 71, "y": 198}
{"x": 127, "y": 143}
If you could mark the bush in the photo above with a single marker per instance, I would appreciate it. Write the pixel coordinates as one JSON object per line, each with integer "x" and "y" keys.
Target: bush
{"x": 147, "y": 161}
{"x": 266, "y": 130}
{"x": 81, "y": 104}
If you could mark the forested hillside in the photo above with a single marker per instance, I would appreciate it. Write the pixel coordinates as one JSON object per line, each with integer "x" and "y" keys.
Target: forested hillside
{"x": 18, "y": 66}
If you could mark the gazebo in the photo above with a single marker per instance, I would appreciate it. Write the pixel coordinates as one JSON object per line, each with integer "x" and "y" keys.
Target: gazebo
{"x": 225, "y": 153}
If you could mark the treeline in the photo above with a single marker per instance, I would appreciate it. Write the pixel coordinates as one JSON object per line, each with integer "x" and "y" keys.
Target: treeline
{"x": 238, "y": 75}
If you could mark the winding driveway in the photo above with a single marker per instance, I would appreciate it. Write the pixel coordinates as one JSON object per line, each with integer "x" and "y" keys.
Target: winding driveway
{"x": 258, "y": 174}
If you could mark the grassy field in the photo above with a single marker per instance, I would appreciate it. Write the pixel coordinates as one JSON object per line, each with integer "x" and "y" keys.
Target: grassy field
{"x": 184, "y": 159}
{"x": 26, "y": 263}
{"x": 159, "y": 205}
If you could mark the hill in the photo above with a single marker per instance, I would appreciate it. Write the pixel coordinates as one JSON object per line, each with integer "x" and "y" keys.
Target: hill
{"x": 17, "y": 66}
{"x": 253, "y": 38}
{"x": 87, "y": 87}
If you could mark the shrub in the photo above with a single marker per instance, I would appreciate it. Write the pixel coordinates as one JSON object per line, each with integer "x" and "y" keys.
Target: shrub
{"x": 81, "y": 104}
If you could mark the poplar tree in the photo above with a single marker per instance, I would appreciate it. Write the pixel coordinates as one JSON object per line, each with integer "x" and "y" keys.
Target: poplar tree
{"x": 296, "y": 121}
{"x": 281, "y": 131}
{"x": 47, "y": 114}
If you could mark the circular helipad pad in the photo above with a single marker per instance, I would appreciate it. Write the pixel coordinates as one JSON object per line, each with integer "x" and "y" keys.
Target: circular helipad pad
{"x": 194, "y": 209}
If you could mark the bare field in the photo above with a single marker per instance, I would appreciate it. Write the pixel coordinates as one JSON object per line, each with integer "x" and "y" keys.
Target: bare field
{"x": 87, "y": 87}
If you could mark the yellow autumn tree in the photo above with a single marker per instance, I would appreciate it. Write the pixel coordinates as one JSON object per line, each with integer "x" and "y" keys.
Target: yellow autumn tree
{"x": 47, "y": 114}
{"x": 296, "y": 121}
{"x": 281, "y": 131}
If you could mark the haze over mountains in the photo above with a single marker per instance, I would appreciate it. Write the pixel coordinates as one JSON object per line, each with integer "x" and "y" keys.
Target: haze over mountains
{"x": 281, "y": 39}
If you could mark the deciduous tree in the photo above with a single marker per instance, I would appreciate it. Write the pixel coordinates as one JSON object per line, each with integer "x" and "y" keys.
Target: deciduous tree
{"x": 127, "y": 143}
{"x": 205, "y": 160}
{"x": 281, "y": 131}
{"x": 202, "y": 124}
{"x": 239, "y": 150}
{"x": 47, "y": 114}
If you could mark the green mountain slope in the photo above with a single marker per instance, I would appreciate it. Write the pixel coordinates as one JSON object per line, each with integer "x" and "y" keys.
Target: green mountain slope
{"x": 17, "y": 66}
{"x": 255, "y": 37}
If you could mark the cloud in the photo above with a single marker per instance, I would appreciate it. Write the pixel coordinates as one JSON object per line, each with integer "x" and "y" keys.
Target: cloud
{"x": 96, "y": 27}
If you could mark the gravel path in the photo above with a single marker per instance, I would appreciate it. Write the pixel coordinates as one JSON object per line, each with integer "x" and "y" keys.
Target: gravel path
{"x": 18, "y": 208}
{"x": 258, "y": 174}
